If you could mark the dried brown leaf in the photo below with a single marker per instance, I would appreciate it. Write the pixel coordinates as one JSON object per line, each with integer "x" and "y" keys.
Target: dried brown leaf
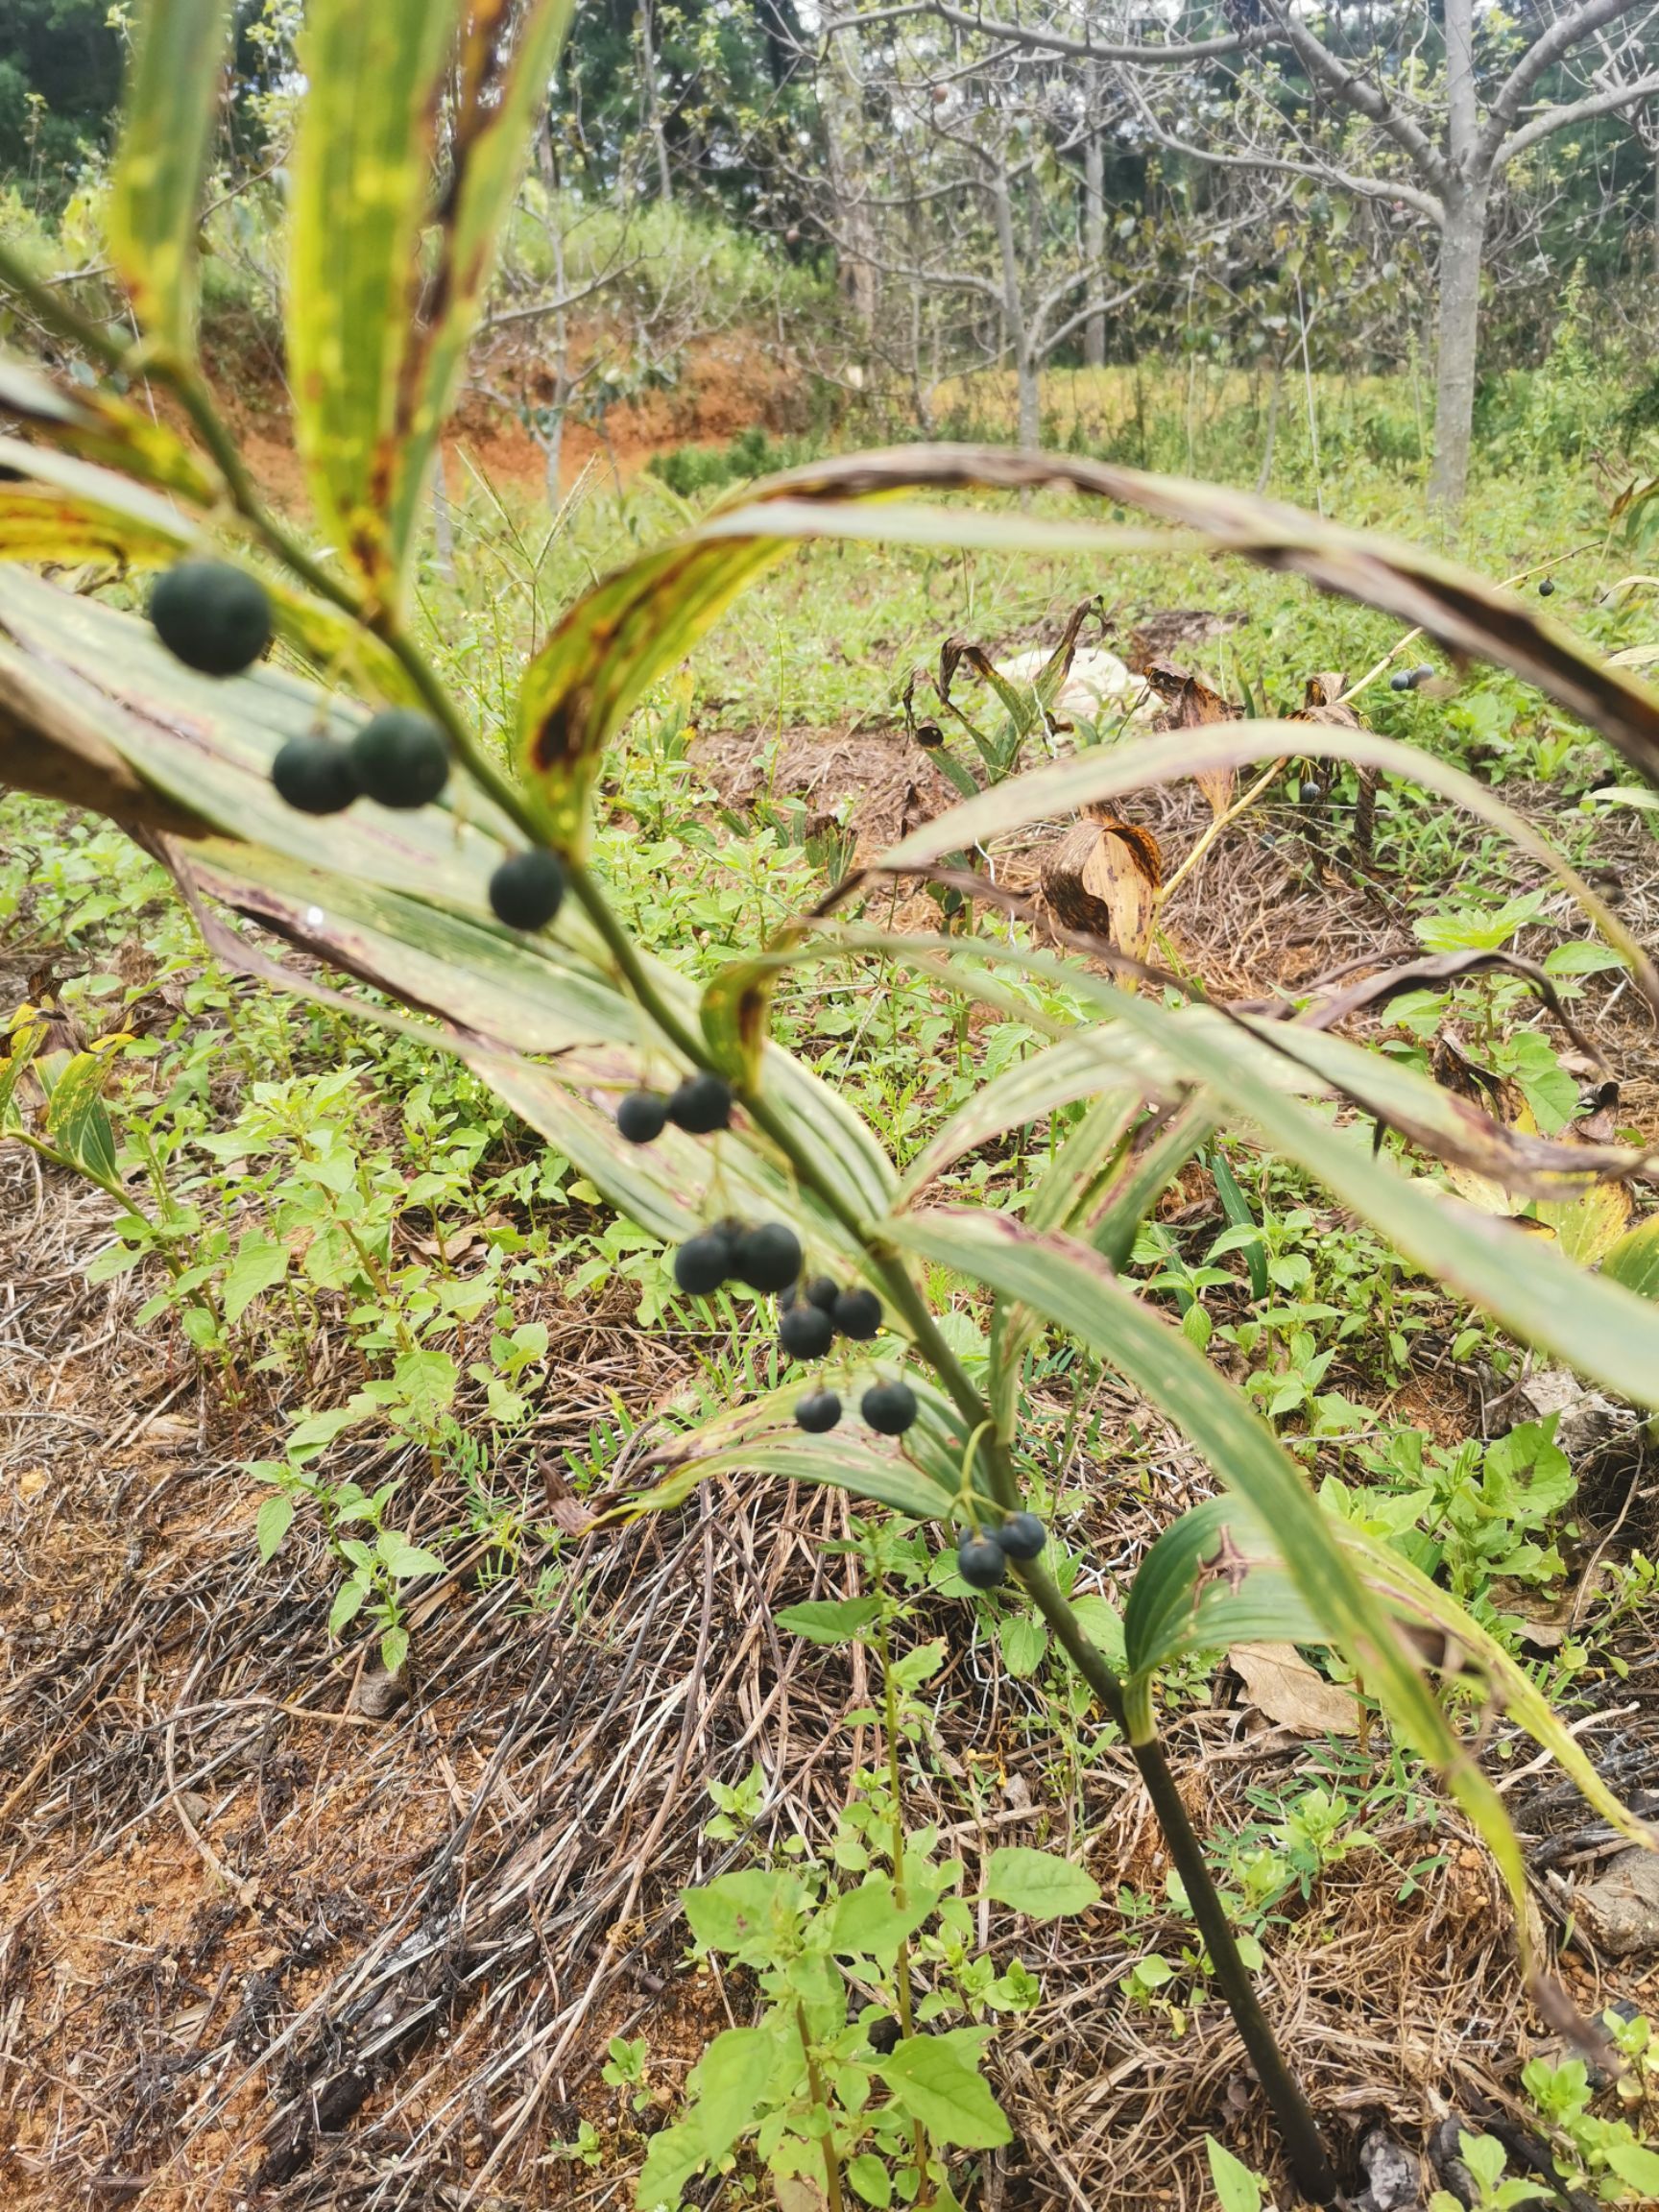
{"x": 1280, "y": 1683}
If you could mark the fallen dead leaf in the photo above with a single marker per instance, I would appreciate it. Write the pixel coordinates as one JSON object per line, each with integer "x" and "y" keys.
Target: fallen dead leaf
{"x": 1280, "y": 1683}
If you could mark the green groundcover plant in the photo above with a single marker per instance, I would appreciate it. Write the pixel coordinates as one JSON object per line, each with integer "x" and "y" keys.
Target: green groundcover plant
{"x": 448, "y": 865}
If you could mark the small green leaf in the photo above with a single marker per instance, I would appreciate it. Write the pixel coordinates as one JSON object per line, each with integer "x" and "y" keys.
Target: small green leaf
{"x": 1040, "y": 1883}
{"x": 394, "y": 1649}
{"x": 404, "y": 1560}
{"x": 868, "y": 1922}
{"x": 275, "y": 1518}
{"x": 871, "y": 2180}
{"x": 1637, "y": 2166}
{"x": 732, "y": 2075}
{"x": 673, "y": 2156}
{"x": 426, "y": 1383}
{"x": 735, "y": 1911}
{"x": 1236, "y": 2188}
{"x": 935, "y": 2084}
{"x": 260, "y": 1264}
{"x": 347, "y": 1603}
{"x": 829, "y": 1621}
{"x": 1101, "y": 1623}
{"x": 1023, "y": 1639}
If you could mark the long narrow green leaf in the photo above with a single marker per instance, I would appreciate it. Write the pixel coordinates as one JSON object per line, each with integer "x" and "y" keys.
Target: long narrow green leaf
{"x": 1592, "y": 1323}
{"x": 361, "y": 186}
{"x": 1634, "y": 1260}
{"x": 832, "y": 1462}
{"x": 1026, "y": 1092}
{"x": 501, "y": 95}
{"x": 99, "y": 425}
{"x": 56, "y": 508}
{"x": 171, "y": 103}
{"x": 1069, "y": 1285}
{"x": 1213, "y": 1579}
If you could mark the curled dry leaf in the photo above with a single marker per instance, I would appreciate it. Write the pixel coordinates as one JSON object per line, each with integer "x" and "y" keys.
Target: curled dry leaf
{"x": 1189, "y": 702}
{"x": 1102, "y": 877}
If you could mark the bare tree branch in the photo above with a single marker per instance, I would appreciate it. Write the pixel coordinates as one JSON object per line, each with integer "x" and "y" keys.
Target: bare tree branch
{"x": 1055, "y": 41}
{"x": 1366, "y": 99}
{"x": 1554, "y": 119}
{"x": 1543, "y": 54}
{"x": 1278, "y": 164}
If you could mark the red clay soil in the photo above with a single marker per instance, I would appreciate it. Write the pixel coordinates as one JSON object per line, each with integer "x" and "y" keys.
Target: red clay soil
{"x": 730, "y": 383}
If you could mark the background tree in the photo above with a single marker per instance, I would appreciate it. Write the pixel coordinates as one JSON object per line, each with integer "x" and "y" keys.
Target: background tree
{"x": 1427, "y": 110}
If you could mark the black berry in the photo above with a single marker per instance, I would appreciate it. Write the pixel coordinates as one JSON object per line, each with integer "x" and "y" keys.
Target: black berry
{"x": 1545, "y": 587}
{"x": 401, "y": 759}
{"x": 889, "y": 1407}
{"x": 1022, "y": 1537}
{"x": 641, "y": 1116}
{"x": 1422, "y": 674}
{"x": 822, "y": 1292}
{"x": 527, "y": 890}
{"x": 767, "y": 1257}
{"x": 858, "y": 1313}
{"x": 212, "y": 616}
{"x": 1403, "y": 679}
{"x": 702, "y": 1104}
{"x": 315, "y": 774}
{"x": 818, "y": 1413}
{"x": 703, "y": 1262}
{"x": 805, "y": 1333}
{"x": 981, "y": 1562}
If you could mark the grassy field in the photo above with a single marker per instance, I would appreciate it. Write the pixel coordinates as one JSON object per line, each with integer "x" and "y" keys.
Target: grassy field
{"x": 366, "y": 1336}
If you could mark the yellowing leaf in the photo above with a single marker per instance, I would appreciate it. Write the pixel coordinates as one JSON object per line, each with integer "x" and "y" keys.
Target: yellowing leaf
{"x": 172, "y": 96}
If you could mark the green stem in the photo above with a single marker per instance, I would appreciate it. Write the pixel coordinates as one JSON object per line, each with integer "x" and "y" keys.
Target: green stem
{"x": 1310, "y": 2159}
{"x": 901, "y": 1892}
{"x": 821, "y": 2103}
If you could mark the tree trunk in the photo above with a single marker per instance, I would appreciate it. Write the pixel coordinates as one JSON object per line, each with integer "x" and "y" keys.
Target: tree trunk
{"x": 1094, "y": 228}
{"x": 553, "y": 458}
{"x": 654, "y": 103}
{"x": 1462, "y": 245}
{"x": 841, "y": 94}
{"x": 1016, "y": 338}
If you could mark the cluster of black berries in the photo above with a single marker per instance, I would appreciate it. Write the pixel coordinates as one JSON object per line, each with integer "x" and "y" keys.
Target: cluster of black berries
{"x": 217, "y": 619}
{"x": 1408, "y": 678}
{"x": 982, "y": 1555}
{"x": 819, "y": 1311}
{"x": 813, "y": 1315}
{"x": 887, "y": 1408}
{"x": 765, "y": 1257}
{"x": 701, "y": 1105}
